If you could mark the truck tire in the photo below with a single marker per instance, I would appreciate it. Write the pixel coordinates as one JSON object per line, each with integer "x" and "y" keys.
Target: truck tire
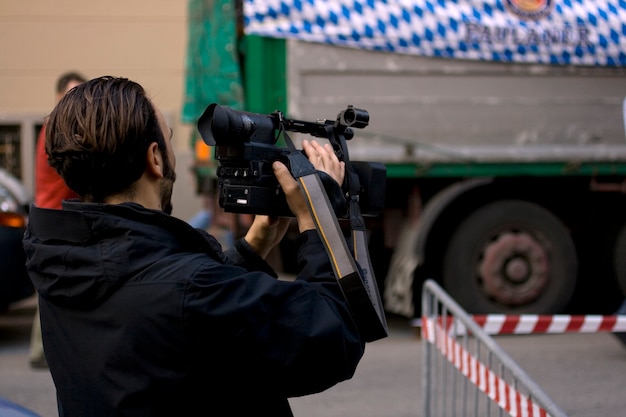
{"x": 511, "y": 257}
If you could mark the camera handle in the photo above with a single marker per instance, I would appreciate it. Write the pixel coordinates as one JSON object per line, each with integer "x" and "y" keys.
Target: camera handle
{"x": 357, "y": 284}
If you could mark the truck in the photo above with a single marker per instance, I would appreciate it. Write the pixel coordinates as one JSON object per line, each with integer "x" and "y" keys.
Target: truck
{"x": 500, "y": 124}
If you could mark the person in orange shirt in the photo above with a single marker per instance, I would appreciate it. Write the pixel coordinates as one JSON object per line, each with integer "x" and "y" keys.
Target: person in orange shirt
{"x": 50, "y": 191}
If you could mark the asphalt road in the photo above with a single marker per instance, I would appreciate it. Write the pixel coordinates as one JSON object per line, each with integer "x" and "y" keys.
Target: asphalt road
{"x": 584, "y": 374}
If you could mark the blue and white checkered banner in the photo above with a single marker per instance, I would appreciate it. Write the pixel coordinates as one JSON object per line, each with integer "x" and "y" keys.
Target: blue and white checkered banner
{"x": 580, "y": 32}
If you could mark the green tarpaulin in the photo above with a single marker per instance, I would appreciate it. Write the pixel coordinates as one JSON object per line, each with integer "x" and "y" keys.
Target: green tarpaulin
{"x": 212, "y": 68}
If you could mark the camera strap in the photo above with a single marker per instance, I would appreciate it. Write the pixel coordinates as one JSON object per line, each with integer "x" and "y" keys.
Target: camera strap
{"x": 357, "y": 282}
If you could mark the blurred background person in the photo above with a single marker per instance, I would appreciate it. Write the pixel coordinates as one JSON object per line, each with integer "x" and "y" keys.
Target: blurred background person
{"x": 50, "y": 191}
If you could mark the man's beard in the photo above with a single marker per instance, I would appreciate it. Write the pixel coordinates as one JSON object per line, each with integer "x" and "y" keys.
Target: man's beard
{"x": 167, "y": 186}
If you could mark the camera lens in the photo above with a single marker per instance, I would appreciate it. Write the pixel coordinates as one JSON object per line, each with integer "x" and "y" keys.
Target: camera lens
{"x": 220, "y": 125}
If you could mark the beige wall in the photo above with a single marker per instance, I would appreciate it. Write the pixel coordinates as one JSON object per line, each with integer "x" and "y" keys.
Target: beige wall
{"x": 144, "y": 40}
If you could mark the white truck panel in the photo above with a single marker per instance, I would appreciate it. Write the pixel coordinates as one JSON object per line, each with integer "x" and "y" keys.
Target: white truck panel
{"x": 443, "y": 109}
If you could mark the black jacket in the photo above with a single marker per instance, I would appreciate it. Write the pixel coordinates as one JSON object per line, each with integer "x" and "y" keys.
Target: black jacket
{"x": 143, "y": 315}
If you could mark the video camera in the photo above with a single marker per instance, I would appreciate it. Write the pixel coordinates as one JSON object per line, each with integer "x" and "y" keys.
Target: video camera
{"x": 245, "y": 146}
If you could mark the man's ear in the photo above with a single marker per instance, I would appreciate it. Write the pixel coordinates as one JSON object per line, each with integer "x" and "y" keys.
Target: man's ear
{"x": 154, "y": 160}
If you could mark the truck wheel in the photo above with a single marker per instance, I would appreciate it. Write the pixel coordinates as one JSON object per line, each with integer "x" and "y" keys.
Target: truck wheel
{"x": 511, "y": 257}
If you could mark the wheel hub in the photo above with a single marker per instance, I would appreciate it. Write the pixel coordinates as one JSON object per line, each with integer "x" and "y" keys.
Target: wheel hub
{"x": 514, "y": 269}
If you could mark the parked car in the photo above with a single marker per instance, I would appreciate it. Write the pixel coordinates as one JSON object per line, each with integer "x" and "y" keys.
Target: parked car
{"x": 14, "y": 204}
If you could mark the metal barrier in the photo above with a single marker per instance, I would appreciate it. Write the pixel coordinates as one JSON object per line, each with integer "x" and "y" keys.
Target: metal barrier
{"x": 466, "y": 373}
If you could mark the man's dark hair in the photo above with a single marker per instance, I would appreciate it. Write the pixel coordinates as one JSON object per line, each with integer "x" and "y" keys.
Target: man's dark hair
{"x": 98, "y": 134}
{"x": 64, "y": 80}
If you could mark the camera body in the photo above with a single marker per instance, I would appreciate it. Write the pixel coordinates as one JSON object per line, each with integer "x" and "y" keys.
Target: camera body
{"x": 245, "y": 147}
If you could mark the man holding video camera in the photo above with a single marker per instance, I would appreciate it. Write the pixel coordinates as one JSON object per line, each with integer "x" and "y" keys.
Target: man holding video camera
{"x": 143, "y": 315}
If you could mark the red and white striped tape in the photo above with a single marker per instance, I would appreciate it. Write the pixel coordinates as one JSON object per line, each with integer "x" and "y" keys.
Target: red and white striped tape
{"x": 559, "y": 323}
{"x": 497, "y": 389}
{"x": 532, "y": 323}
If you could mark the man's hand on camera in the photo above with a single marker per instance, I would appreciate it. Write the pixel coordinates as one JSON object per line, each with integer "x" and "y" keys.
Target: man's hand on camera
{"x": 295, "y": 199}
{"x": 324, "y": 159}
{"x": 266, "y": 232}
